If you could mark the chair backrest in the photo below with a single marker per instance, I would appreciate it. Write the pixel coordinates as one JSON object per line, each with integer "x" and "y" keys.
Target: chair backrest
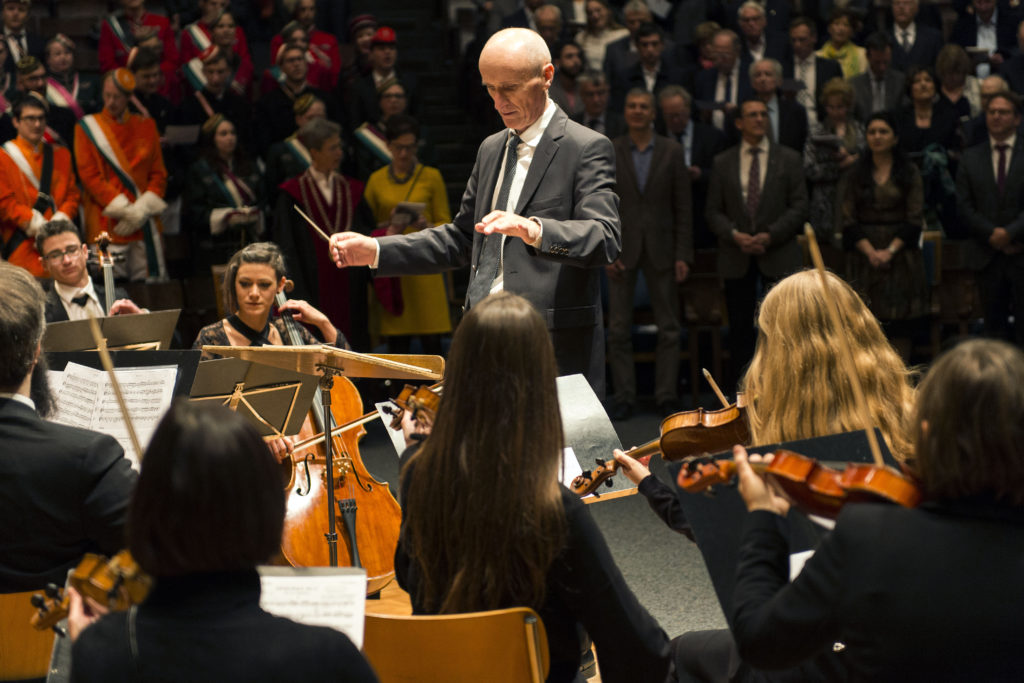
{"x": 501, "y": 645}
{"x": 24, "y": 651}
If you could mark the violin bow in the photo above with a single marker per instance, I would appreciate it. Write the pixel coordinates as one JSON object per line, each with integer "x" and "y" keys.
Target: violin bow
{"x": 845, "y": 350}
{"x": 714, "y": 387}
{"x": 108, "y": 365}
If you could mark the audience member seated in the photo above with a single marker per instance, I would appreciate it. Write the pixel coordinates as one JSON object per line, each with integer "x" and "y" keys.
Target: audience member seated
{"x": 333, "y": 201}
{"x": 225, "y": 200}
{"x": 19, "y": 41}
{"x": 880, "y": 206}
{"x": 73, "y": 294}
{"x": 565, "y": 88}
{"x": 842, "y": 26}
{"x": 553, "y": 559}
{"x": 601, "y": 29}
{"x": 421, "y": 310}
{"x": 275, "y": 109}
{"x": 65, "y": 490}
{"x": 957, "y": 88}
{"x": 289, "y": 157}
{"x": 834, "y": 145}
{"x": 208, "y": 508}
{"x": 916, "y": 44}
{"x": 880, "y": 88}
{"x": 123, "y": 200}
{"x": 383, "y": 56}
{"x": 807, "y": 67}
{"x": 323, "y": 46}
{"x": 65, "y": 86}
{"x": 221, "y": 31}
{"x": 886, "y": 574}
{"x": 989, "y": 29}
{"x": 132, "y": 26}
{"x": 596, "y": 115}
{"x": 37, "y": 184}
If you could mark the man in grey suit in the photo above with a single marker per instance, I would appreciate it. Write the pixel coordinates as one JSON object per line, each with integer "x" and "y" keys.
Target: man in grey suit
{"x": 990, "y": 199}
{"x": 880, "y": 88}
{"x": 539, "y": 215}
{"x": 653, "y": 184}
{"x": 757, "y": 203}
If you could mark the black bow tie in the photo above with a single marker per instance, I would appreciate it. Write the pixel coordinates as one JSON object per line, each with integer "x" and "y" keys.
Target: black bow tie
{"x": 80, "y": 300}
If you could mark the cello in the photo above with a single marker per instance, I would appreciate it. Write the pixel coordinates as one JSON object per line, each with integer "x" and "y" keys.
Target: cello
{"x": 368, "y": 513}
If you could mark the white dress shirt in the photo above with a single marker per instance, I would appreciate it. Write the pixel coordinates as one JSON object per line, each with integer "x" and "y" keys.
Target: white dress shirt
{"x": 324, "y": 183}
{"x": 718, "y": 117}
{"x": 906, "y": 36}
{"x": 806, "y": 70}
{"x": 987, "y": 40}
{"x": 746, "y": 156}
{"x": 74, "y": 311}
{"x": 20, "y": 398}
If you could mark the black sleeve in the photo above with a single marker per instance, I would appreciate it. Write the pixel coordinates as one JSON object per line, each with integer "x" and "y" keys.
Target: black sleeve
{"x": 665, "y": 504}
{"x": 631, "y": 646}
{"x": 110, "y": 481}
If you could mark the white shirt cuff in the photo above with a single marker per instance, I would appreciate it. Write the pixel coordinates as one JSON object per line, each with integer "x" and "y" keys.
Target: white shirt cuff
{"x": 376, "y": 257}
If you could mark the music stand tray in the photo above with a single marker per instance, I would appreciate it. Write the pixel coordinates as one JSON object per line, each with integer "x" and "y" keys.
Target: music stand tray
{"x": 313, "y": 359}
{"x": 141, "y": 332}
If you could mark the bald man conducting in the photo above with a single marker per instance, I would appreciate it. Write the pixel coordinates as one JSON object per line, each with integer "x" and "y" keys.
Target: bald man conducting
{"x": 539, "y": 216}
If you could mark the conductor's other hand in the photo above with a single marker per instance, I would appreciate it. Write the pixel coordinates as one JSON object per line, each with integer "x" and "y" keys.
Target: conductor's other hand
{"x": 352, "y": 249}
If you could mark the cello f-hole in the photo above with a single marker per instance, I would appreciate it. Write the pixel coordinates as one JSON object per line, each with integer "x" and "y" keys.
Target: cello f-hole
{"x": 309, "y": 484}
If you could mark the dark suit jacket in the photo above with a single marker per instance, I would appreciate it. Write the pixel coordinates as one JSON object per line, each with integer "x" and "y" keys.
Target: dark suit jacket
{"x": 64, "y": 492}
{"x": 366, "y": 103}
{"x": 894, "y": 92}
{"x": 656, "y": 223}
{"x": 825, "y": 70}
{"x": 982, "y": 208}
{"x": 879, "y": 582}
{"x": 706, "y": 82}
{"x": 614, "y": 123}
{"x": 707, "y": 143}
{"x": 792, "y": 126}
{"x": 570, "y": 189}
{"x": 1013, "y": 71}
{"x": 618, "y": 58}
{"x": 781, "y": 212}
{"x": 633, "y": 77}
{"x": 965, "y": 30}
{"x": 776, "y": 46}
{"x": 55, "y": 312}
{"x": 927, "y": 43}
{"x": 36, "y": 44}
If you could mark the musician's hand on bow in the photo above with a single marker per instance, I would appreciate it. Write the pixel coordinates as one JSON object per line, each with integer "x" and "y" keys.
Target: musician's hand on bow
{"x": 757, "y": 493}
{"x": 281, "y": 447}
{"x": 634, "y": 470}
{"x": 124, "y": 307}
{"x": 352, "y": 249}
{"x": 507, "y": 223}
{"x": 82, "y": 612}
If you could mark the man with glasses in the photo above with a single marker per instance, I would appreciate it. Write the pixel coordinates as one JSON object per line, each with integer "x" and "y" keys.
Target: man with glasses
{"x": 36, "y": 184}
{"x": 74, "y": 295}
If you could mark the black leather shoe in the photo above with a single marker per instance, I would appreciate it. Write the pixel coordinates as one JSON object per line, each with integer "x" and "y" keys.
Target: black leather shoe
{"x": 621, "y": 411}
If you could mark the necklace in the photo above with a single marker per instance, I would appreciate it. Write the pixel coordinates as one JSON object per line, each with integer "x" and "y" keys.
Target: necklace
{"x": 404, "y": 179}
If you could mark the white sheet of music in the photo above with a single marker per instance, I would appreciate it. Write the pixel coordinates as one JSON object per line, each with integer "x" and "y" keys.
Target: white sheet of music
{"x": 319, "y": 596}
{"x": 86, "y": 399}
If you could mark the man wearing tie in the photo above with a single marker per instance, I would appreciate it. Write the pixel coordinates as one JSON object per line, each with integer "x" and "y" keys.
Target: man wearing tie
{"x": 594, "y": 91}
{"x": 990, "y": 198}
{"x": 988, "y": 28}
{"x": 73, "y": 295}
{"x": 20, "y": 43}
{"x": 539, "y": 216}
{"x": 807, "y": 67}
{"x": 916, "y": 44}
{"x": 880, "y": 88}
{"x": 757, "y": 203}
{"x": 787, "y": 119}
{"x": 721, "y": 84}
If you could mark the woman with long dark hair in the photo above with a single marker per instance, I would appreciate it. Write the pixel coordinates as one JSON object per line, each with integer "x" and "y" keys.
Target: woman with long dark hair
{"x": 880, "y": 215}
{"x": 485, "y": 522}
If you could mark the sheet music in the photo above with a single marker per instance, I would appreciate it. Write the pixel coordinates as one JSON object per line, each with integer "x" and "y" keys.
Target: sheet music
{"x": 319, "y": 596}
{"x": 570, "y": 467}
{"x": 86, "y": 399}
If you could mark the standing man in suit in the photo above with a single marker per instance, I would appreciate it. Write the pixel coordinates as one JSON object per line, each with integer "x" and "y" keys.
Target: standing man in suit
{"x": 539, "y": 215}
{"x": 989, "y": 27}
{"x": 701, "y": 142}
{"x": 916, "y": 44}
{"x": 880, "y": 88}
{"x": 787, "y": 119}
{"x": 653, "y": 184}
{"x": 652, "y": 72}
{"x": 64, "y": 491}
{"x": 74, "y": 295}
{"x": 623, "y": 54}
{"x": 383, "y": 57}
{"x": 990, "y": 198}
{"x": 722, "y": 85}
{"x": 20, "y": 43}
{"x": 757, "y": 203}
{"x": 758, "y": 42}
{"x": 807, "y": 67}
{"x": 596, "y": 115}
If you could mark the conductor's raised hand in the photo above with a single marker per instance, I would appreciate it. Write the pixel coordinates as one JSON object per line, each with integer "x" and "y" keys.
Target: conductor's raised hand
{"x": 352, "y": 249}
{"x": 510, "y": 224}
{"x": 757, "y": 493}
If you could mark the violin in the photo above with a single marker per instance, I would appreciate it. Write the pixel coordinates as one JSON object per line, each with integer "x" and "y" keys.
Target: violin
{"x": 813, "y": 487}
{"x": 421, "y": 401}
{"x": 683, "y": 434}
{"x": 368, "y": 514}
{"x": 117, "y": 584}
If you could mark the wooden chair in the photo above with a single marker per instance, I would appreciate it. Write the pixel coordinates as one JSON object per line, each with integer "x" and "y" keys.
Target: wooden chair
{"x": 501, "y": 645}
{"x": 24, "y": 651}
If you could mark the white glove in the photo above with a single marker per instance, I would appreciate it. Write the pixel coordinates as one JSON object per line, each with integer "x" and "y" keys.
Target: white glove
{"x": 151, "y": 204}
{"x": 218, "y": 222}
{"x": 35, "y": 224}
{"x": 117, "y": 207}
{"x": 134, "y": 218}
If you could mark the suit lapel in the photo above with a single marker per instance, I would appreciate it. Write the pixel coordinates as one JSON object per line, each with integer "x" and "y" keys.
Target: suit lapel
{"x": 767, "y": 187}
{"x": 542, "y": 157}
{"x": 490, "y": 162}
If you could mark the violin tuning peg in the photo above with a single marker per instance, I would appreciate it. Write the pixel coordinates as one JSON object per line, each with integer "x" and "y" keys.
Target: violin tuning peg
{"x": 600, "y": 462}
{"x": 52, "y": 590}
{"x": 609, "y": 483}
{"x": 38, "y": 601}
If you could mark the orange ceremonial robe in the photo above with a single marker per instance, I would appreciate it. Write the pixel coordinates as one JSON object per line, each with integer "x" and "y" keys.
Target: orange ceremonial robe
{"x": 18, "y": 195}
{"x": 139, "y": 141}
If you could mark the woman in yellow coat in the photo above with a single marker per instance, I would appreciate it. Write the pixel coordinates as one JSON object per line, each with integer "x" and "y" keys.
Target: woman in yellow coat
{"x": 422, "y": 307}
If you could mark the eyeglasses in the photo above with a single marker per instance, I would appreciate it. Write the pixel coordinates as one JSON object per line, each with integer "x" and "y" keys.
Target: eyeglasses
{"x": 57, "y": 255}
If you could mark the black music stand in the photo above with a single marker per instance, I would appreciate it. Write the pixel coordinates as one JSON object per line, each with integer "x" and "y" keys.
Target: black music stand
{"x": 141, "y": 332}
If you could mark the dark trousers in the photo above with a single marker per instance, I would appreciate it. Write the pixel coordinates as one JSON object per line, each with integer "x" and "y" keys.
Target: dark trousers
{"x": 1001, "y": 287}
{"x": 741, "y": 298}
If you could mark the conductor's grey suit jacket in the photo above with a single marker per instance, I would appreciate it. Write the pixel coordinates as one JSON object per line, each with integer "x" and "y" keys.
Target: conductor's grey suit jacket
{"x": 570, "y": 189}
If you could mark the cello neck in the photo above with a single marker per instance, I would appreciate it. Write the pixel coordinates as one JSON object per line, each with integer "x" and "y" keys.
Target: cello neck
{"x": 295, "y": 339}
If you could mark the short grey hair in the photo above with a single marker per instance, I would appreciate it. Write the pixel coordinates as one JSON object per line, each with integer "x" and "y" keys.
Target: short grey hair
{"x": 674, "y": 91}
{"x": 751, "y": 4}
{"x": 774, "y": 63}
{"x": 315, "y": 133}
